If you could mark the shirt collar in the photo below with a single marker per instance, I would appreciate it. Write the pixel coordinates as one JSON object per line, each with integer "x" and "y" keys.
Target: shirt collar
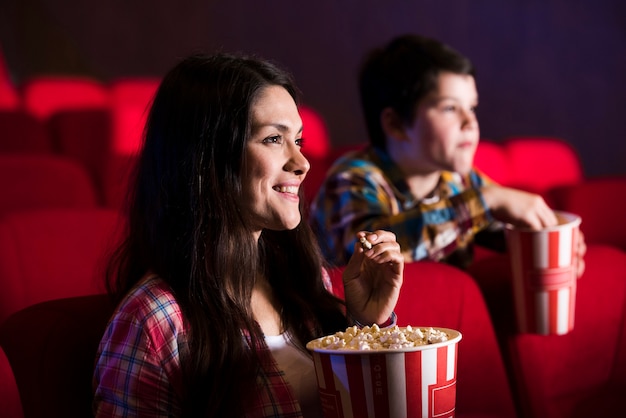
{"x": 382, "y": 159}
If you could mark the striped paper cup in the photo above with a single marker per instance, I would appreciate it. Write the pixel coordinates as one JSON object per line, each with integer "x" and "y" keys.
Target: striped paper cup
{"x": 544, "y": 275}
{"x": 413, "y": 382}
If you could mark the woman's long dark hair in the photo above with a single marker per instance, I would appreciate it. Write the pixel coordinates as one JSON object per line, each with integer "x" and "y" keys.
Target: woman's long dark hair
{"x": 185, "y": 226}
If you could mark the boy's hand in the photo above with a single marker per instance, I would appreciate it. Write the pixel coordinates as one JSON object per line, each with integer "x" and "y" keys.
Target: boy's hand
{"x": 518, "y": 207}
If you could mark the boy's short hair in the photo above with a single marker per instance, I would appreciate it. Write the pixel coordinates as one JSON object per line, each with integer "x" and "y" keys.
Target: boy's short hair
{"x": 400, "y": 74}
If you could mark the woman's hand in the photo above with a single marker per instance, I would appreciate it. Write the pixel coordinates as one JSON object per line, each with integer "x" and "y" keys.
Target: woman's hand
{"x": 373, "y": 277}
{"x": 518, "y": 207}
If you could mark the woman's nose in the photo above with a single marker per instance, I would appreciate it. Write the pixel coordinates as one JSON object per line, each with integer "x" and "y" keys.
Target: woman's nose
{"x": 297, "y": 162}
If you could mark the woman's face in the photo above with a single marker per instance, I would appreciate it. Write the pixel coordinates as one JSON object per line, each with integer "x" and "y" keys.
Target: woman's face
{"x": 274, "y": 166}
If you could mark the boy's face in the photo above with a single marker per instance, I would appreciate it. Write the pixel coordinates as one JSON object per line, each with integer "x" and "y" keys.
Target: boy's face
{"x": 444, "y": 133}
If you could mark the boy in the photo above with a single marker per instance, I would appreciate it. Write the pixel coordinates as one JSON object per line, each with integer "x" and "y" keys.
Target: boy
{"x": 416, "y": 178}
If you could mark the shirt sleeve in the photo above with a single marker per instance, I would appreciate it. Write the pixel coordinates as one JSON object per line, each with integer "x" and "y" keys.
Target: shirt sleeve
{"x": 361, "y": 198}
{"x": 137, "y": 370}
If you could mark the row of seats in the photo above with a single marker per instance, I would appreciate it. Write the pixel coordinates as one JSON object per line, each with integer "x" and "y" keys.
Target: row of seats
{"x": 57, "y": 253}
{"x": 54, "y": 313}
{"x": 575, "y": 375}
{"x": 100, "y": 126}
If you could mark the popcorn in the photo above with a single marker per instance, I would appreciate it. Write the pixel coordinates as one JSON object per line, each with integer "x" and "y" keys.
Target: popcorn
{"x": 375, "y": 338}
{"x": 365, "y": 243}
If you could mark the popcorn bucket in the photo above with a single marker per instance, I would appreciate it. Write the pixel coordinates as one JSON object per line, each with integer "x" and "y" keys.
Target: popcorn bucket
{"x": 390, "y": 383}
{"x": 544, "y": 275}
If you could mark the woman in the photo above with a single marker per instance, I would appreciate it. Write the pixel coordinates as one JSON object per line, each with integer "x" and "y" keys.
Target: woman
{"x": 220, "y": 283}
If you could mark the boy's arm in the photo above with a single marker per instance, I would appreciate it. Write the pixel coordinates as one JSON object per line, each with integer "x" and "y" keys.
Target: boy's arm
{"x": 362, "y": 200}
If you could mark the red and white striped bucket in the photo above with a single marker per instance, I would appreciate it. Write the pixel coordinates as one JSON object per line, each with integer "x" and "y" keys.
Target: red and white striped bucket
{"x": 544, "y": 275}
{"x": 413, "y": 382}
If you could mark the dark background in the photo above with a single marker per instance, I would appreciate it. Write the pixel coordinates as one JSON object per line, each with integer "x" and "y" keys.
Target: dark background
{"x": 545, "y": 67}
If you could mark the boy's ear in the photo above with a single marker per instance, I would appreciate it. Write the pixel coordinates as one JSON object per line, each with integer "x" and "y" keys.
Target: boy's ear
{"x": 392, "y": 124}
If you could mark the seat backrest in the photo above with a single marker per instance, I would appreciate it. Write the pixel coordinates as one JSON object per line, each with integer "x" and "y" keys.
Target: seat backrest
{"x": 50, "y": 254}
{"x": 51, "y": 347}
{"x": 535, "y": 164}
{"x": 131, "y": 99}
{"x": 43, "y": 181}
{"x": 315, "y": 133}
{"x": 9, "y": 96}
{"x": 540, "y": 163}
{"x": 436, "y": 294}
{"x": 10, "y": 403}
{"x": 491, "y": 159}
{"x": 22, "y": 132}
{"x": 44, "y": 95}
{"x": 601, "y": 203}
{"x": 85, "y": 136}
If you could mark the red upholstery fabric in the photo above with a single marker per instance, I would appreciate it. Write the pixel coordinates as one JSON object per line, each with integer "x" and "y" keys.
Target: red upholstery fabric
{"x": 9, "y": 97}
{"x": 540, "y": 163}
{"x": 10, "y": 403}
{"x": 491, "y": 158}
{"x": 316, "y": 149}
{"x": 131, "y": 99}
{"x": 85, "y": 137}
{"x": 601, "y": 203}
{"x": 315, "y": 133}
{"x": 49, "y": 254}
{"x": 43, "y": 181}
{"x": 536, "y": 164}
{"x": 22, "y": 132}
{"x": 51, "y": 347}
{"x": 436, "y": 294}
{"x": 44, "y": 95}
{"x": 558, "y": 376}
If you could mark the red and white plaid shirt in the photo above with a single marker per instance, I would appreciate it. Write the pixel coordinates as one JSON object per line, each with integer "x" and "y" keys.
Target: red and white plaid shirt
{"x": 138, "y": 370}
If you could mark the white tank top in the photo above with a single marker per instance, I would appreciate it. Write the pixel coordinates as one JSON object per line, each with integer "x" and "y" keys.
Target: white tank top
{"x": 299, "y": 372}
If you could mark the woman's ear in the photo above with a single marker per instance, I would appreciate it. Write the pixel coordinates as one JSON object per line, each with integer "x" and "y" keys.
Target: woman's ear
{"x": 392, "y": 125}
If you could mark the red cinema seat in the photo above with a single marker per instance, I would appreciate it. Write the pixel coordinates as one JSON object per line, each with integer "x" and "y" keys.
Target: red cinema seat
{"x": 131, "y": 99}
{"x": 9, "y": 96}
{"x": 541, "y": 163}
{"x": 21, "y": 132}
{"x": 316, "y": 149}
{"x": 491, "y": 159}
{"x": 436, "y": 294}
{"x": 50, "y": 254}
{"x": 582, "y": 373}
{"x": 315, "y": 133}
{"x": 85, "y": 136}
{"x": 562, "y": 376}
{"x": 535, "y": 164}
{"x": 10, "y": 403}
{"x": 43, "y": 181}
{"x": 42, "y": 96}
{"x": 51, "y": 347}
{"x": 601, "y": 203}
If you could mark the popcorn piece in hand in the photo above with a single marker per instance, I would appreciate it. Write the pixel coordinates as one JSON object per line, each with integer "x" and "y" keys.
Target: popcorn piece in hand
{"x": 365, "y": 243}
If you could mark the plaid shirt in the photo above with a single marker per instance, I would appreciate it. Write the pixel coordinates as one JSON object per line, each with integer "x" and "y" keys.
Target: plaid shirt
{"x": 365, "y": 190}
{"x": 138, "y": 370}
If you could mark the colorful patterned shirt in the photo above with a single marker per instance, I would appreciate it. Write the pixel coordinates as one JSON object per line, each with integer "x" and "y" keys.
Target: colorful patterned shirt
{"x": 365, "y": 190}
{"x": 138, "y": 369}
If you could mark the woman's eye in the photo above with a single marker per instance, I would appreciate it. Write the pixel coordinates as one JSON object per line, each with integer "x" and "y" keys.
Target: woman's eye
{"x": 449, "y": 108}
{"x": 300, "y": 142}
{"x": 272, "y": 139}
